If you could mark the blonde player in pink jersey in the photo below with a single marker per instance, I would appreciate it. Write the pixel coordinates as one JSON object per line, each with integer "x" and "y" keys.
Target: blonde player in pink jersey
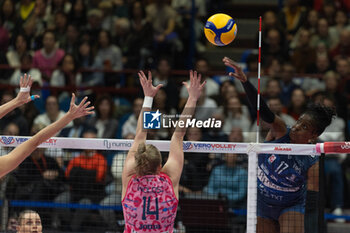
{"x": 150, "y": 192}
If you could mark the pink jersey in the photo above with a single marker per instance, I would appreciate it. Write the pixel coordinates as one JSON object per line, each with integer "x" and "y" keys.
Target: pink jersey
{"x": 150, "y": 204}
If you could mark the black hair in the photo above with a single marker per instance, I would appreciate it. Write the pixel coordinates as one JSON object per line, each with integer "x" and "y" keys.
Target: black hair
{"x": 321, "y": 115}
{"x": 89, "y": 129}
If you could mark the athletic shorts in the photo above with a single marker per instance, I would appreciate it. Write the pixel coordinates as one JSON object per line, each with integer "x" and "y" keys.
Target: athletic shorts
{"x": 273, "y": 212}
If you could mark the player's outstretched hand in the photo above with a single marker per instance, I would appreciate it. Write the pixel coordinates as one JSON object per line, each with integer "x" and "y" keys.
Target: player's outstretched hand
{"x": 195, "y": 86}
{"x": 83, "y": 109}
{"x": 239, "y": 74}
{"x": 25, "y": 84}
{"x": 147, "y": 86}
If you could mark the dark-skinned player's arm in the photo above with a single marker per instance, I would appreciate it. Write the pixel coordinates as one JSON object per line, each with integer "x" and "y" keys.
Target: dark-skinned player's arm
{"x": 277, "y": 125}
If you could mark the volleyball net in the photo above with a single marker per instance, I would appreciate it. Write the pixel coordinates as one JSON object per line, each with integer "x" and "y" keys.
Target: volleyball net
{"x": 75, "y": 183}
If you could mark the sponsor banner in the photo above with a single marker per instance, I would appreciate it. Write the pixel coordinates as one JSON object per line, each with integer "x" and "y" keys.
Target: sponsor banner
{"x": 199, "y": 147}
{"x": 289, "y": 149}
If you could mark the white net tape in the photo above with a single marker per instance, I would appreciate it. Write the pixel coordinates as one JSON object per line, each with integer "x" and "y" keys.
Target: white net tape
{"x": 252, "y": 149}
{"x": 199, "y": 147}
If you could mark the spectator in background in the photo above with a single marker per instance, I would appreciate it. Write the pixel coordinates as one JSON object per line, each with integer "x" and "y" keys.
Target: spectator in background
{"x": 343, "y": 69}
{"x": 229, "y": 180}
{"x": 4, "y": 39}
{"x": 56, "y": 6}
{"x": 163, "y": 76}
{"x": 71, "y": 44}
{"x": 67, "y": 75}
{"x": 298, "y": 103}
{"x": 110, "y": 55}
{"x": 52, "y": 114}
{"x": 275, "y": 47}
{"x": 270, "y": 21}
{"x": 77, "y": 14}
{"x": 206, "y": 107}
{"x": 342, "y": 48}
{"x": 47, "y": 58}
{"x": 332, "y": 80}
{"x": 86, "y": 175}
{"x": 75, "y": 131}
{"x": 14, "y": 116}
{"x": 287, "y": 83}
{"x": 129, "y": 127}
{"x": 303, "y": 55}
{"x": 328, "y": 12}
{"x": 160, "y": 103}
{"x": 333, "y": 170}
{"x": 104, "y": 122}
{"x": 195, "y": 173}
{"x": 61, "y": 21}
{"x": 341, "y": 23}
{"x": 20, "y": 48}
{"x": 108, "y": 18}
{"x": 36, "y": 25}
{"x": 25, "y": 9}
{"x": 310, "y": 25}
{"x": 93, "y": 27}
{"x": 162, "y": 18}
{"x": 211, "y": 87}
{"x": 321, "y": 65}
{"x": 86, "y": 60}
{"x": 227, "y": 90}
{"x": 292, "y": 17}
{"x": 216, "y": 134}
{"x": 29, "y": 221}
{"x": 140, "y": 40}
{"x": 276, "y": 107}
{"x": 323, "y": 35}
{"x": 121, "y": 35}
{"x": 273, "y": 89}
{"x": 26, "y": 61}
{"x": 236, "y": 115}
{"x": 8, "y": 15}
{"x": 39, "y": 176}
{"x": 120, "y": 8}
{"x": 273, "y": 68}
{"x": 321, "y": 49}
{"x": 12, "y": 223}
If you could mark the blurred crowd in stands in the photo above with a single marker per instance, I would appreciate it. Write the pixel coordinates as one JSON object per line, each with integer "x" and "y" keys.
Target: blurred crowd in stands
{"x": 80, "y": 45}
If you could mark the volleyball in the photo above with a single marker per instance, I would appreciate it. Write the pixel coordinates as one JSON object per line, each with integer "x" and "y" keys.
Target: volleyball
{"x": 220, "y": 29}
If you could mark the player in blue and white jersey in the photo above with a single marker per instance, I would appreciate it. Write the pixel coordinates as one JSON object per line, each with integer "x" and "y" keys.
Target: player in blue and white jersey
{"x": 285, "y": 182}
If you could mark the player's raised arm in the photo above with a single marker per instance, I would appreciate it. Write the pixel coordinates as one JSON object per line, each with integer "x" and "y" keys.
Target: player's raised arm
{"x": 174, "y": 164}
{"x": 277, "y": 125}
{"x": 22, "y": 97}
{"x": 14, "y": 158}
{"x": 141, "y": 134}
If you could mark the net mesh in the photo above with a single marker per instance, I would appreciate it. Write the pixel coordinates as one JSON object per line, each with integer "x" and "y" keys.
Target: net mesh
{"x": 79, "y": 190}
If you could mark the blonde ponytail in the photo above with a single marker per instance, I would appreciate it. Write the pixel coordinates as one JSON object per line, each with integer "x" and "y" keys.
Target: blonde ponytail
{"x": 148, "y": 159}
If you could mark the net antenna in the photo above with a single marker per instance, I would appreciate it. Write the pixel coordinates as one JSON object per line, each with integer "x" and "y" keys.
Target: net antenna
{"x": 253, "y": 160}
{"x": 258, "y": 101}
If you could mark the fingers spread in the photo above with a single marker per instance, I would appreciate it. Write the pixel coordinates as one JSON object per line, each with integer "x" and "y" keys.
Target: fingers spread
{"x": 82, "y": 102}
{"x": 72, "y": 101}
{"x": 150, "y": 76}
